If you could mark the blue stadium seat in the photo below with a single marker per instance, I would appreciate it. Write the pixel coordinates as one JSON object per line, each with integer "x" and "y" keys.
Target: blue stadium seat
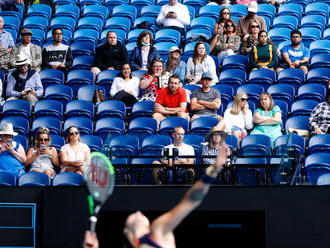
{"x": 202, "y": 23}
{"x": 210, "y": 11}
{"x": 300, "y": 122}
{"x": 282, "y": 91}
{"x": 319, "y": 47}
{"x": 90, "y": 35}
{"x": 203, "y": 125}
{"x": 166, "y": 126}
{"x": 238, "y": 10}
{"x": 64, "y": 22}
{"x": 319, "y": 143}
{"x": 314, "y": 21}
{"x": 318, "y": 75}
{"x": 84, "y": 3}
{"x": 36, "y": 22}
{"x": 253, "y": 91}
{"x": 122, "y": 23}
{"x": 94, "y": 142}
{"x": 317, "y": 164}
{"x": 51, "y": 108}
{"x": 111, "y": 108}
{"x": 248, "y": 173}
{"x": 7, "y": 179}
{"x": 83, "y": 62}
{"x": 264, "y": 78}
{"x": 324, "y": 179}
{"x": 109, "y": 126}
{"x": 34, "y": 179}
{"x": 326, "y": 34}
{"x": 142, "y": 127}
{"x": 78, "y": 78}
{"x": 124, "y": 145}
{"x": 293, "y": 9}
{"x": 309, "y": 35}
{"x": 139, "y": 4}
{"x": 168, "y": 35}
{"x": 320, "y": 60}
{"x": 43, "y": 10}
{"x": 67, "y": 179}
{"x": 53, "y": 124}
{"x": 278, "y": 35}
{"x": 142, "y": 109}
{"x": 267, "y": 10}
{"x": 84, "y": 125}
{"x": 150, "y": 10}
{"x": 11, "y": 22}
{"x": 154, "y": 144}
{"x": 289, "y": 145}
{"x": 312, "y": 91}
{"x": 112, "y": 3}
{"x": 90, "y": 22}
{"x": 142, "y": 175}
{"x": 87, "y": 92}
{"x": 22, "y": 140}
{"x": 255, "y": 144}
{"x": 235, "y": 62}
{"x": 65, "y": 2}
{"x": 164, "y": 47}
{"x": 72, "y": 11}
{"x": 80, "y": 108}
{"x": 291, "y": 76}
{"x": 189, "y": 48}
{"x": 286, "y": 21}
{"x": 62, "y": 93}
{"x": 51, "y": 76}
{"x": 284, "y": 108}
{"x": 196, "y": 4}
{"x": 233, "y": 77}
{"x": 196, "y": 34}
{"x": 105, "y": 78}
{"x": 121, "y": 35}
{"x": 96, "y": 10}
{"x": 38, "y": 36}
{"x": 195, "y": 141}
{"x": 21, "y": 125}
{"x": 57, "y": 141}
{"x": 227, "y": 92}
{"x": 317, "y": 8}
{"x": 192, "y": 11}
{"x": 82, "y": 48}
{"x": 232, "y": 142}
{"x": 151, "y": 20}
{"x": 303, "y": 107}
{"x": 191, "y": 87}
{"x": 17, "y": 107}
{"x": 125, "y": 11}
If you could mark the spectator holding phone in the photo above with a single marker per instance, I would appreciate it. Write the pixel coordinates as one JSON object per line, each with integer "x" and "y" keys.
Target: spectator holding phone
{"x": 42, "y": 157}
{"x": 12, "y": 154}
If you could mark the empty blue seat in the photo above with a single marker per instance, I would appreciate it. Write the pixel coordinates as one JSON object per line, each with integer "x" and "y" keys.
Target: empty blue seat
{"x": 164, "y": 47}
{"x": 286, "y": 21}
{"x": 83, "y": 62}
{"x": 267, "y": 10}
{"x": 124, "y": 146}
{"x": 51, "y": 108}
{"x": 167, "y": 125}
{"x": 51, "y": 76}
{"x": 85, "y": 3}
{"x": 303, "y": 107}
{"x": 11, "y": 22}
{"x": 34, "y": 179}
{"x": 90, "y": 22}
{"x": 38, "y": 36}
{"x": 196, "y": 4}
{"x": 235, "y": 62}
{"x": 252, "y": 90}
{"x": 292, "y": 76}
{"x": 109, "y": 127}
{"x": 142, "y": 109}
{"x": 233, "y": 77}
{"x": 21, "y": 125}
{"x": 37, "y": 22}
{"x": 320, "y": 60}
{"x": 84, "y": 125}
{"x": 94, "y": 142}
{"x": 150, "y": 10}
{"x": 67, "y": 179}
{"x": 309, "y": 35}
{"x": 22, "y": 140}
{"x": 203, "y": 125}
{"x": 80, "y": 108}
{"x": 255, "y": 144}
{"x": 264, "y": 78}
{"x": 141, "y": 175}
{"x": 142, "y": 127}
{"x": 319, "y": 143}
{"x": 317, "y": 8}
{"x": 57, "y": 141}
{"x": 96, "y": 10}
{"x": 90, "y": 35}
{"x": 278, "y": 35}
{"x": 112, "y": 3}
{"x": 318, "y": 75}
{"x": 7, "y": 179}
{"x": 87, "y": 92}
{"x": 314, "y": 21}
{"x": 210, "y": 11}
{"x": 53, "y": 124}
{"x": 249, "y": 171}
{"x": 317, "y": 164}
{"x": 293, "y": 9}
{"x": 82, "y": 48}
{"x": 139, "y": 4}
{"x": 105, "y": 78}
{"x": 43, "y": 10}
{"x": 122, "y": 23}
{"x": 324, "y": 179}
{"x": 125, "y": 11}
{"x": 154, "y": 144}
{"x": 111, "y": 108}
{"x": 312, "y": 91}
{"x": 319, "y": 47}
{"x": 299, "y": 121}
{"x": 238, "y": 10}
{"x": 284, "y": 108}
{"x": 202, "y": 23}
{"x": 62, "y": 93}
{"x": 63, "y": 22}
{"x": 72, "y": 11}
{"x": 282, "y": 91}
{"x": 16, "y": 108}
{"x": 168, "y": 35}
{"x": 65, "y": 2}
{"x": 326, "y": 34}
{"x": 78, "y": 78}
{"x": 289, "y": 145}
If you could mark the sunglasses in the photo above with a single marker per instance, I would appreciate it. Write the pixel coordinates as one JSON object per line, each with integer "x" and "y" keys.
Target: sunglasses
{"x": 43, "y": 140}
{"x": 226, "y": 13}
{"x": 73, "y": 133}
{"x": 227, "y": 26}
{"x": 244, "y": 99}
{"x": 254, "y": 26}
{"x": 26, "y": 34}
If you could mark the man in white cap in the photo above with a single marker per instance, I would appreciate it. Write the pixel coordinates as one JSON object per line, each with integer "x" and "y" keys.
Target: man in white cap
{"x": 243, "y": 23}
{"x": 24, "y": 83}
{"x": 30, "y": 50}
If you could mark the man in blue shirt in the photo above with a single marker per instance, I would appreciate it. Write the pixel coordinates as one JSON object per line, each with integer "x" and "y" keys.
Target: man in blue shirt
{"x": 6, "y": 40}
{"x": 295, "y": 55}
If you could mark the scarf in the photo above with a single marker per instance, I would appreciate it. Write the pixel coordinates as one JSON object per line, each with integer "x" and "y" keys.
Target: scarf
{"x": 20, "y": 82}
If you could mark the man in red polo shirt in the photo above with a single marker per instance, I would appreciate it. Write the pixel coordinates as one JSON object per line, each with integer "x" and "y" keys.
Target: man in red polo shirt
{"x": 171, "y": 101}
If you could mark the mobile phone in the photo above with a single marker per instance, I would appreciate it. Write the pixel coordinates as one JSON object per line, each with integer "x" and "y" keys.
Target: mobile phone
{"x": 9, "y": 142}
{"x": 42, "y": 147}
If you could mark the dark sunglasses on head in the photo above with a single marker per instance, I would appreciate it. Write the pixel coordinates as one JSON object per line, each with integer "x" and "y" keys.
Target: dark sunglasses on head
{"x": 74, "y": 133}
{"x": 43, "y": 140}
{"x": 244, "y": 99}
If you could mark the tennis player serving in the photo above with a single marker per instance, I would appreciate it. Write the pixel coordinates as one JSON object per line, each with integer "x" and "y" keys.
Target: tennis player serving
{"x": 159, "y": 234}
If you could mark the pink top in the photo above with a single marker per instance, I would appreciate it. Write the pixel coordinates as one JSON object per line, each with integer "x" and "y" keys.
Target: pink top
{"x": 245, "y": 2}
{"x": 72, "y": 156}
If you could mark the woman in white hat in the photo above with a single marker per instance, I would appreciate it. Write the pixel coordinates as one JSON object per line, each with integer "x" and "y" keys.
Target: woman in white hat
{"x": 24, "y": 83}
{"x": 174, "y": 64}
{"x": 12, "y": 154}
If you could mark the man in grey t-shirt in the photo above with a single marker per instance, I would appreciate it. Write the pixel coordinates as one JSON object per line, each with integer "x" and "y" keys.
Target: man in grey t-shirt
{"x": 206, "y": 100}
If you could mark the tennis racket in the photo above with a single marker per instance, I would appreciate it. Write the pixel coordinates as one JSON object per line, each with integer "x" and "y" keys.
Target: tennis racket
{"x": 100, "y": 181}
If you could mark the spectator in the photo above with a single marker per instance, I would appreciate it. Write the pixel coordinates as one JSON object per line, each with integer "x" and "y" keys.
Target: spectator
{"x": 245, "y": 2}
{"x": 174, "y": 15}
{"x": 155, "y": 79}
{"x": 57, "y": 56}
{"x": 42, "y": 157}
{"x": 6, "y": 40}
{"x": 125, "y": 87}
{"x": 264, "y": 55}
{"x": 74, "y": 153}
{"x": 206, "y": 100}
{"x": 219, "y": 26}
{"x": 171, "y": 101}
{"x": 243, "y": 23}
{"x": 200, "y": 62}
{"x": 319, "y": 121}
{"x": 12, "y": 154}
{"x": 30, "y": 50}
{"x": 183, "y": 150}
{"x": 267, "y": 118}
{"x": 226, "y": 44}
{"x": 23, "y": 82}
{"x": 276, "y": 3}
{"x": 110, "y": 56}
{"x": 144, "y": 53}
{"x": 250, "y": 39}
{"x": 295, "y": 55}
{"x": 237, "y": 119}
{"x": 174, "y": 65}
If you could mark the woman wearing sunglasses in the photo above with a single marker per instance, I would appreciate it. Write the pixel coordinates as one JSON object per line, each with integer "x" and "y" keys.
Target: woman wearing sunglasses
{"x": 226, "y": 44}
{"x": 74, "y": 153}
{"x": 224, "y": 15}
{"x": 237, "y": 119}
{"x": 42, "y": 157}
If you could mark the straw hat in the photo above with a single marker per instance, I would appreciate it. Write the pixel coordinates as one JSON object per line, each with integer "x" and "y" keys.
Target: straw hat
{"x": 7, "y": 128}
{"x": 21, "y": 59}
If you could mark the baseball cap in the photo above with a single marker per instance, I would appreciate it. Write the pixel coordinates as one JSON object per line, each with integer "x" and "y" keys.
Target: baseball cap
{"x": 207, "y": 75}
{"x": 253, "y": 7}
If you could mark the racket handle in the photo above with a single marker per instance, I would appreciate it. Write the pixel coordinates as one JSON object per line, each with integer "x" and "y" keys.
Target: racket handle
{"x": 93, "y": 221}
